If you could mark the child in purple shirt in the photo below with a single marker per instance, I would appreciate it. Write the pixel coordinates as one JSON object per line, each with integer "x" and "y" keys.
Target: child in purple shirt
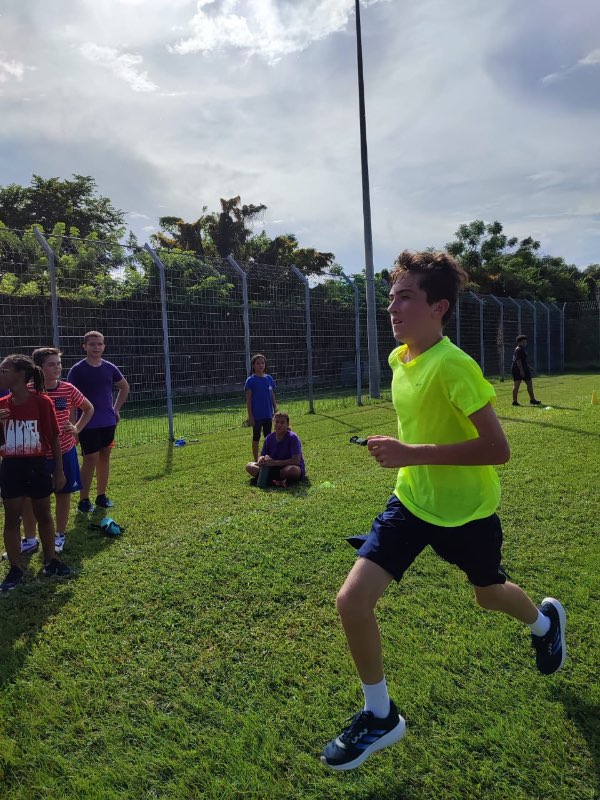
{"x": 282, "y": 452}
{"x": 95, "y": 379}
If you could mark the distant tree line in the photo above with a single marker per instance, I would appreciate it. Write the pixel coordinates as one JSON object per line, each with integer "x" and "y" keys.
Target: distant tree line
{"x": 87, "y": 234}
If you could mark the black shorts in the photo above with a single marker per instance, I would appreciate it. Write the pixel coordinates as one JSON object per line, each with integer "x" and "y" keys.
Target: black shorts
{"x": 265, "y": 424}
{"x": 92, "y": 440}
{"x": 397, "y": 537}
{"x": 25, "y": 477}
{"x": 516, "y": 373}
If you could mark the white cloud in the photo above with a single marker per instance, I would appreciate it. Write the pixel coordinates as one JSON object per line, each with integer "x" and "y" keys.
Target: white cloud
{"x": 592, "y": 59}
{"x": 12, "y": 70}
{"x": 267, "y": 28}
{"x": 122, "y": 65}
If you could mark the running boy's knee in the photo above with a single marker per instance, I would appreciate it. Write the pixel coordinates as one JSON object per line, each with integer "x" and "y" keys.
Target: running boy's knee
{"x": 351, "y": 604}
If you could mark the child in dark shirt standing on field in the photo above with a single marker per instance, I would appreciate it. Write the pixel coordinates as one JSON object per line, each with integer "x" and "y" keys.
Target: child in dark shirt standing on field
{"x": 260, "y": 401}
{"x": 95, "y": 379}
{"x": 521, "y": 372}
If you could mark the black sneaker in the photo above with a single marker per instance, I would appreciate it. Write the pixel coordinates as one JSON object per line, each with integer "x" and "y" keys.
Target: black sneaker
{"x": 551, "y": 649}
{"x": 364, "y": 735}
{"x": 515, "y": 403}
{"x": 103, "y": 501}
{"x": 535, "y": 402}
{"x": 14, "y": 578}
{"x": 85, "y": 506}
{"x": 56, "y": 569}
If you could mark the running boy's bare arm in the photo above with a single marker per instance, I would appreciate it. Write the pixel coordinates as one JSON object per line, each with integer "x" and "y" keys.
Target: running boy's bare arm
{"x": 123, "y": 391}
{"x": 491, "y": 447}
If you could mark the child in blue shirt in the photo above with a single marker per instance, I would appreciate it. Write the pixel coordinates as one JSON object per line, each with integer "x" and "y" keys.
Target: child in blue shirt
{"x": 260, "y": 401}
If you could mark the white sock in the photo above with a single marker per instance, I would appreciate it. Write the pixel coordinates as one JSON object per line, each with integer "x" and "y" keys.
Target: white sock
{"x": 541, "y": 625}
{"x": 60, "y": 534}
{"x": 377, "y": 699}
{"x": 31, "y": 541}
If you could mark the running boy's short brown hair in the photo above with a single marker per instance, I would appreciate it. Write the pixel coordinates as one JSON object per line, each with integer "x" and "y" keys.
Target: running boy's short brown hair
{"x": 40, "y": 355}
{"x": 440, "y": 275}
{"x": 91, "y": 334}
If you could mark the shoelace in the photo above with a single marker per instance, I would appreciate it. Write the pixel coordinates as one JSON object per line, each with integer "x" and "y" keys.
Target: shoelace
{"x": 357, "y": 727}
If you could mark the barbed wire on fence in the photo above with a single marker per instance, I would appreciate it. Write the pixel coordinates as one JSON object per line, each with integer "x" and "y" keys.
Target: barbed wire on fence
{"x": 182, "y": 328}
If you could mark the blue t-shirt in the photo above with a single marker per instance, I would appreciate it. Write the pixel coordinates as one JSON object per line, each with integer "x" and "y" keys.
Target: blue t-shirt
{"x": 96, "y": 383}
{"x": 282, "y": 450}
{"x": 262, "y": 388}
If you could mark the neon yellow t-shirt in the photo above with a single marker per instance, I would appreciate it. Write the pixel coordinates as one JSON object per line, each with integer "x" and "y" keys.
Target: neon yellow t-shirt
{"x": 433, "y": 395}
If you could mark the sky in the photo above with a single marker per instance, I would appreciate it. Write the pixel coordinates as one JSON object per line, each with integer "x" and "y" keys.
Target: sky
{"x": 474, "y": 111}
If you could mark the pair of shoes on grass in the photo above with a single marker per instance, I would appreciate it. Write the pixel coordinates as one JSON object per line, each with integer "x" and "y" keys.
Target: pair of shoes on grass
{"x": 87, "y": 507}
{"x": 365, "y": 734}
{"x": 31, "y": 546}
{"x": 52, "y": 569}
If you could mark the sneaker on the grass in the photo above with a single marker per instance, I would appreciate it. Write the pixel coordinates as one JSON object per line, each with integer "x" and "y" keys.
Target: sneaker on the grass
{"x": 56, "y": 569}
{"x": 85, "y": 506}
{"x": 364, "y": 735}
{"x": 551, "y": 649}
{"x": 13, "y": 578}
{"x": 28, "y": 547}
{"x": 59, "y": 542}
{"x": 535, "y": 402}
{"x": 103, "y": 501}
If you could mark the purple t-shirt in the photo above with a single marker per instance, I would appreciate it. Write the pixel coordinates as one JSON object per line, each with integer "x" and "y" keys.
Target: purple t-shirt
{"x": 288, "y": 447}
{"x": 96, "y": 383}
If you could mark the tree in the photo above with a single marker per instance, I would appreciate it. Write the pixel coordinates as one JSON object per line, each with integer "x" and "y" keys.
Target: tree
{"x": 47, "y": 202}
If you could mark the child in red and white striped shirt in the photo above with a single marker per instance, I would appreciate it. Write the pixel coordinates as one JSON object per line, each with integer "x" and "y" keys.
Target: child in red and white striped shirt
{"x": 65, "y": 398}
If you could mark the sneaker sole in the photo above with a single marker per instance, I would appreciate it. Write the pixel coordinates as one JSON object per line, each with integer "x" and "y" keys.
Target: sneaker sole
{"x": 562, "y": 615}
{"x": 390, "y": 738}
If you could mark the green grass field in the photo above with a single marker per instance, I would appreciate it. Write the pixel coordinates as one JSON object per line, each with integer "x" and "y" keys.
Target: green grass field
{"x": 200, "y": 656}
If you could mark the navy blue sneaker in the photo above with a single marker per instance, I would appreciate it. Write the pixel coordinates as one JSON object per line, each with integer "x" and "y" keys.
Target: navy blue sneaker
{"x": 551, "y": 649}
{"x": 85, "y": 506}
{"x": 56, "y": 569}
{"x": 14, "y": 578}
{"x": 103, "y": 501}
{"x": 364, "y": 735}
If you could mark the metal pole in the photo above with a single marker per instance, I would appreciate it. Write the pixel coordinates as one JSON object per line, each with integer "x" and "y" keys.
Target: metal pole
{"x": 311, "y": 399}
{"x": 481, "y": 350}
{"x": 512, "y": 300}
{"x": 457, "y": 315}
{"x": 535, "y": 359}
{"x": 597, "y": 293}
{"x": 165, "y": 326}
{"x": 246, "y": 314}
{"x": 501, "y": 332}
{"x": 53, "y": 294}
{"x": 374, "y": 370}
{"x": 356, "y": 338}
{"x": 547, "y": 333}
{"x": 561, "y": 335}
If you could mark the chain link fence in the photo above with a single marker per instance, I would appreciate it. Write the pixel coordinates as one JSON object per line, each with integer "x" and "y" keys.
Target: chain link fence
{"x": 182, "y": 329}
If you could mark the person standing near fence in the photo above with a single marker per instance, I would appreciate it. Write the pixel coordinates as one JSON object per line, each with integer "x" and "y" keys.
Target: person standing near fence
{"x": 95, "y": 378}
{"x": 65, "y": 398}
{"x": 260, "y": 401}
{"x": 28, "y": 429}
{"x": 521, "y": 372}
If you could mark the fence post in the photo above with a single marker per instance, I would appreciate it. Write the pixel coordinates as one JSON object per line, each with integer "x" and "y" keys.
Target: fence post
{"x": 481, "y": 349}
{"x": 165, "y": 326}
{"x": 53, "y": 294}
{"x": 311, "y": 399}
{"x": 561, "y": 335}
{"x": 597, "y": 293}
{"x": 244, "y": 278}
{"x": 535, "y": 358}
{"x": 547, "y": 332}
{"x": 356, "y": 338}
{"x": 512, "y": 300}
{"x": 501, "y": 335}
{"x": 457, "y": 314}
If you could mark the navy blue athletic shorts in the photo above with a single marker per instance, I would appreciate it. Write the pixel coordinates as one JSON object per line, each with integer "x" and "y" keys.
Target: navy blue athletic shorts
{"x": 397, "y": 537}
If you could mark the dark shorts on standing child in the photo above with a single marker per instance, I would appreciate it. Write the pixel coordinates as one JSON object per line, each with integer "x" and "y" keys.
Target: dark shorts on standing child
{"x": 265, "y": 424}
{"x": 92, "y": 440}
{"x": 397, "y": 537}
{"x": 25, "y": 477}
{"x": 71, "y": 470}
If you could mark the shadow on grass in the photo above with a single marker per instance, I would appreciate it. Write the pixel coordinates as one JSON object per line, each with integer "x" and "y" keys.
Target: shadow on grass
{"x": 168, "y": 468}
{"x": 587, "y": 719}
{"x": 26, "y": 610}
{"x": 549, "y": 425}
{"x": 299, "y": 489}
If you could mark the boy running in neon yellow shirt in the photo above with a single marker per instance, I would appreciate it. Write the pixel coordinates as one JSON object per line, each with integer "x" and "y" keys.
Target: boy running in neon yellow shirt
{"x": 446, "y": 495}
